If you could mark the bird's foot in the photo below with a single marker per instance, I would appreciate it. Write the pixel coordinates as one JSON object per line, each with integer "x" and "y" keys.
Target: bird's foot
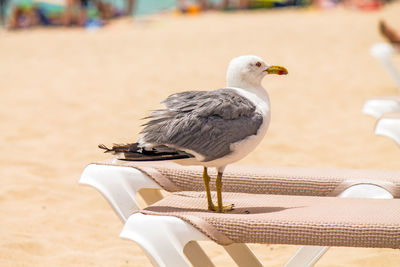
{"x": 222, "y": 209}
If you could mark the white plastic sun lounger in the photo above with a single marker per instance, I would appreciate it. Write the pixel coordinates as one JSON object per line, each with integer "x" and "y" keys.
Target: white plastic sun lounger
{"x": 165, "y": 238}
{"x": 389, "y": 125}
{"x": 378, "y": 106}
{"x": 384, "y": 53}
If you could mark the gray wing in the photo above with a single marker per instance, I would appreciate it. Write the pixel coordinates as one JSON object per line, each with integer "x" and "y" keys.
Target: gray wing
{"x": 206, "y": 122}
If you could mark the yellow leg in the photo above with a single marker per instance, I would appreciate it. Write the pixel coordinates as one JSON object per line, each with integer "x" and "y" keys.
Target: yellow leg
{"x": 218, "y": 185}
{"x": 206, "y": 180}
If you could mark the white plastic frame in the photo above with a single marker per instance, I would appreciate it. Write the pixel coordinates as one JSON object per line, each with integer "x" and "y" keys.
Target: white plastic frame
{"x": 389, "y": 127}
{"x": 163, "y": 238}
{"x": 376, "y": 107}
{"x": 384, "y": 52}
{"x": 120, "y": 185}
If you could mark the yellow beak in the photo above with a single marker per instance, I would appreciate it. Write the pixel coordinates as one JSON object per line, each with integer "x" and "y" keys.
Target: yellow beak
{"x": 276, "y": 70}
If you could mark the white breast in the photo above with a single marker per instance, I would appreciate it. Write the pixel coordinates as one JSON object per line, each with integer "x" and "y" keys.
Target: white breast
{"x": 244, "y": 147}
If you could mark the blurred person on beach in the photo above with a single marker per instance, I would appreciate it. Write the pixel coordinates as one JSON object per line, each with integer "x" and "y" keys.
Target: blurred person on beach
{"x": 107, "y": 11}
{"x": 22, "y": 15}
{"x": 3, "y": 7}
{"x": 184, "y": 6}
{"x": 25, "y": 16}
{"x": 390, "y": 34}
{"x": 31, "y": 13}
{"x": 70, "y": 6}
{"x": 82, "y": 18}
{"x": 243, "y": 4}
{"x": 129, "y": 7}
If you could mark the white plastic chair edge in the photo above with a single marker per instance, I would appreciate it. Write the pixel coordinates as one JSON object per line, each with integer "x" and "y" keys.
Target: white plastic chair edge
{"x": 389, "y": 127}
{"x": 119, "y": 185}
{"x": 162, "y": 237}
{"x": 378, "y": 107}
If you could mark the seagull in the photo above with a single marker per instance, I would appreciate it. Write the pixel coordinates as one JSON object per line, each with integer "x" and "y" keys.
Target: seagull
{"x": 208, "y": 128}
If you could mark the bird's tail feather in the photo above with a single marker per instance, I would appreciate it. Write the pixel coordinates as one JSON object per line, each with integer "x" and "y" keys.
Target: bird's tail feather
{"x": 135, "y": 153}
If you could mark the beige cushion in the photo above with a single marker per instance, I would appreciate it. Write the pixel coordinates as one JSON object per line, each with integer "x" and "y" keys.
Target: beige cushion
{"x": 264, "y": 180}
{"x": 299, "y": 220}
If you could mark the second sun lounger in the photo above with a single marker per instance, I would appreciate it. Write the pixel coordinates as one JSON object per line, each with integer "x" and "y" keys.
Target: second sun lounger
{"x": 389, "y": 125}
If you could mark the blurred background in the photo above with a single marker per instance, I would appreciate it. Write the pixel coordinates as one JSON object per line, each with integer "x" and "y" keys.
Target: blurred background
{"x": 74, "y": 74}
{"x": 95, "y": 13}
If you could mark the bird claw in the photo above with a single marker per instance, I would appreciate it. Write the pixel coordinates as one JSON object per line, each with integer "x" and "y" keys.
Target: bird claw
{"x": 223, "y": 209}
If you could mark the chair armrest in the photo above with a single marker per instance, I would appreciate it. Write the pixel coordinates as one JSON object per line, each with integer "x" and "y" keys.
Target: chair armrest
{"x": 119, "y": 185}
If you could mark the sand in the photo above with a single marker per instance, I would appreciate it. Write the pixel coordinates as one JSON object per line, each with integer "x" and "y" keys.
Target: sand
{"x": 63, "y": 91}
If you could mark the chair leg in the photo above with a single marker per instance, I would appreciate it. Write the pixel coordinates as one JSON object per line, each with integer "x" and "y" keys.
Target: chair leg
{"x": 242, "y": 255}
{"x": 196, "y": 255}
{"x": 383, "y": 52}
{"x": 192, "y": 250}
{"x": 163, "y": 238}
{"x": 307, "y": 256}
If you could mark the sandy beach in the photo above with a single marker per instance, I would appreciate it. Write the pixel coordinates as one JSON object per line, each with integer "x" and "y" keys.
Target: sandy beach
{"x": 64, "y": 91}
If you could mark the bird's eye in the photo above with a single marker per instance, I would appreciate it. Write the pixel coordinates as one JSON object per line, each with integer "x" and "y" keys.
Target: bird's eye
{"x": 258, "y": 64}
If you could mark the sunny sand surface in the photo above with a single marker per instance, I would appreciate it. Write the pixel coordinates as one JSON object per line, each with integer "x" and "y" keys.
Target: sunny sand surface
{"x": 62, "y": 92}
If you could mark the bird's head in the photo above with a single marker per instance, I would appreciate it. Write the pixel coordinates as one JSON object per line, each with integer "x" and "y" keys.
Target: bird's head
{"x": 248, "y": 71}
